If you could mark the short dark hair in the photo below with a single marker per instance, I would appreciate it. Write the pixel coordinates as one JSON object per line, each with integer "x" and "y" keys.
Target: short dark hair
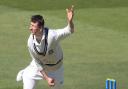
{"x": 39, "y": 19}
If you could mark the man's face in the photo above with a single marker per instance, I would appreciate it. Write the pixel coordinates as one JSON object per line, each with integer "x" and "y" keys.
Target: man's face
{"x": 34, "y": 28}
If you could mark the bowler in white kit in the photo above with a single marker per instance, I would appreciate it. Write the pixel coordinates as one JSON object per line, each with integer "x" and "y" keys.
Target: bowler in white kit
{"x": 46, "y": 53}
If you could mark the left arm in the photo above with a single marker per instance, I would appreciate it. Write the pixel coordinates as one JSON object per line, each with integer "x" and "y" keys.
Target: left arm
{"x": 70, "y": 14}
{"x": 63, "y": 33}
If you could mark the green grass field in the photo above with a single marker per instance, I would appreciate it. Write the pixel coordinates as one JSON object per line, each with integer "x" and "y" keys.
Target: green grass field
{"x": 97, "y": 50}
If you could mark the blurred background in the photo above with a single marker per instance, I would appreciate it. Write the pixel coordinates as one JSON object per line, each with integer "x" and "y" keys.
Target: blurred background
{"x": 96, "y": 51}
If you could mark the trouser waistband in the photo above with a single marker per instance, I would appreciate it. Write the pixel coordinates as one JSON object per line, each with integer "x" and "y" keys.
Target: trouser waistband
{"x": 54, "y": 64}
{"x": 53, "y": 67}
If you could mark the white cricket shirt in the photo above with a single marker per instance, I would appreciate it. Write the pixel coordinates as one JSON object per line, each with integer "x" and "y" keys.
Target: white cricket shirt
{"x": 54, "y": 52}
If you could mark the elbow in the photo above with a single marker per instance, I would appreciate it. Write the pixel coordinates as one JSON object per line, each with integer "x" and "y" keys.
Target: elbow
{"x": 71, "y": 27}
{"x": 72, "y": 30}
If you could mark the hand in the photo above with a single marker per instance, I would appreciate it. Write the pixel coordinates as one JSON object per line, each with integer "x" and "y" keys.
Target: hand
{"x": 51, "y": 81}
{"x": 70, "y": 13}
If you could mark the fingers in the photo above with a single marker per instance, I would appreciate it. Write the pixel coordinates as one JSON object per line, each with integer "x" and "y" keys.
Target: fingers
{"x": 51, "y": 82}
{"x": 52, "y": 85}
{"x": 70, "y": 8}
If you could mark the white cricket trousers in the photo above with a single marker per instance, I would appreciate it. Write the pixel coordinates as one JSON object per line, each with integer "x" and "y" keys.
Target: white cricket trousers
{"x": 30, "y": 82}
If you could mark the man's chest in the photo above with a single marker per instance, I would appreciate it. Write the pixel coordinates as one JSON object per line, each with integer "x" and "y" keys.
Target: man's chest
{"x": 49, "y": 57}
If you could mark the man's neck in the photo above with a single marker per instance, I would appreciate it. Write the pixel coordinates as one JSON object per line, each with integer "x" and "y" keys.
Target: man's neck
{"x": 39, "y": 35}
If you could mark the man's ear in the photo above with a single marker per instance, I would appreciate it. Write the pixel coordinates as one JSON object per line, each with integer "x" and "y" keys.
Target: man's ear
{"x": 41, "y": 28}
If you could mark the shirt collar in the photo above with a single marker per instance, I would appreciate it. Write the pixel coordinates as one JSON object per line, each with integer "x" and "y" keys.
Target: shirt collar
{"x": 36, "y": 43}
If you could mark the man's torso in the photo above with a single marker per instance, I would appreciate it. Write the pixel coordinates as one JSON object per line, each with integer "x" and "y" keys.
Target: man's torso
{"x": 54, "y": 52}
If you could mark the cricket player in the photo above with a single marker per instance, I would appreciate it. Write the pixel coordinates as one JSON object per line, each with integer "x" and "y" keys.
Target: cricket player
{"x": 46, "y": 53}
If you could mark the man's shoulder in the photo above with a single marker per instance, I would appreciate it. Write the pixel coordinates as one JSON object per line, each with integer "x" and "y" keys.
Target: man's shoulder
{"x": 30, "y": 37}
{"x": 52, "y": 32}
